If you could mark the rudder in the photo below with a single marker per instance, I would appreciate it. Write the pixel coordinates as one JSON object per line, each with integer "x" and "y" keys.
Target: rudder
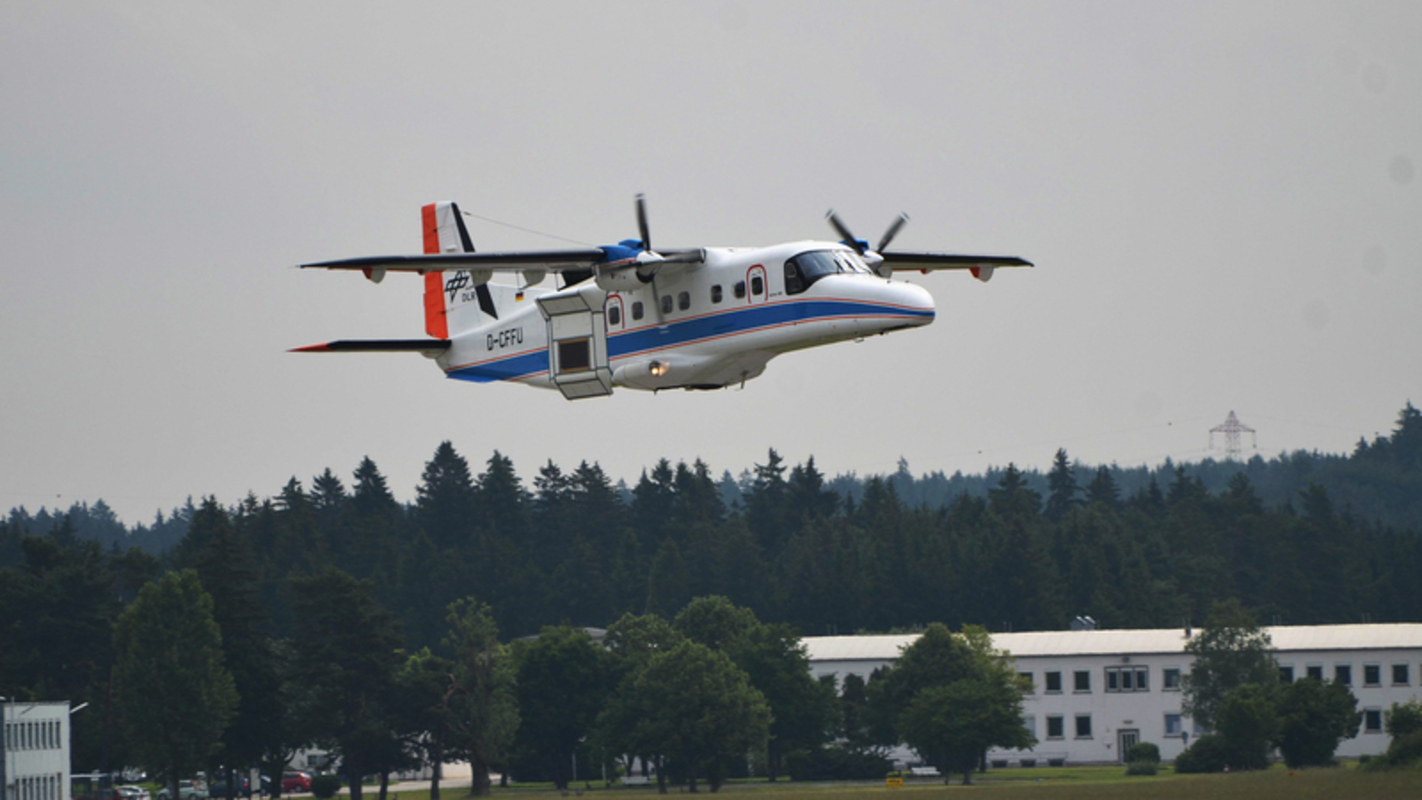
{"x": 458, "y": 300}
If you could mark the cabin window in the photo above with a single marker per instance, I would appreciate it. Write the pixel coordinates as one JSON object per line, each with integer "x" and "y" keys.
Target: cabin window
{"x": 716, "y": 293}
{"x": 666, "y": 304}
{"x": 794, "y": 283}
{"x": 740, "y": 290}
{"x": 683, "y": 301}
{"x": 637, "y": 310}
{"x": 614, "y": 315}
{"x": 757, "y": 286}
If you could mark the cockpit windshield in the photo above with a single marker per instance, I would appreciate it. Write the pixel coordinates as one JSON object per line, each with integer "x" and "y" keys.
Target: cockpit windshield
{"x": 804, "y": 269}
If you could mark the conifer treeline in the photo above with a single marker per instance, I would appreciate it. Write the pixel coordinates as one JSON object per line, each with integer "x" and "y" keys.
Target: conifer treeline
{"x": 573, "y": 548}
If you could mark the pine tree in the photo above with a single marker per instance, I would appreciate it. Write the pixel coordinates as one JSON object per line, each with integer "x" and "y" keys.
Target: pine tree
{"x": 1061, "y": 487}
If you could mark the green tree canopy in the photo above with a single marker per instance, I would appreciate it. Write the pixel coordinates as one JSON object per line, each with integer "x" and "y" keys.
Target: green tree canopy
{"x": 484, "y": 714}
{"x": 172, "y": 691}
{"x": 692, "y": 705}
{"x": 564, "y": 679}
{"x": 1313, "y": 718}
{"x": 1230, "y": 652}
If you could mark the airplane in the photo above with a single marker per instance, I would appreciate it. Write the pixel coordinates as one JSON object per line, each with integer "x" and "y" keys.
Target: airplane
{"x": 630, "y": 316}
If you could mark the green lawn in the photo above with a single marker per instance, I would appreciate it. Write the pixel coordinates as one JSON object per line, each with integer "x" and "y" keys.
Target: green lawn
{"x": 1058, "y": 783}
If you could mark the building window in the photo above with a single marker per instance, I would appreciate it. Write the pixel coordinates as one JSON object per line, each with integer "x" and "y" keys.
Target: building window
{"x": 1372, "y": 675}
{"x": 1170, "y": 679}
{"x": 666, "y": 304}
{"x": 1054, "y": 681}
{"x": 1030, "y": 723}
{"x": 1054, "y": 727}
{"x": 1286, "y": 674}
{"x": 716, "y": 293}
{"x": 1082, "y": 679}
{"x": 1372, "y": 720}
{"x": 1343, "y": 673}
{"x": 1399, "y": 675}
{"x": 683, "y": 301}
{"x": 1083, "y": 726}
{"x": 1026, "y": 677}
{"x": 1127, "y": 679}
{"x": 637, "y": 310}
{"x": 1173, "y": 726}
{"x": 1314, "y": 671}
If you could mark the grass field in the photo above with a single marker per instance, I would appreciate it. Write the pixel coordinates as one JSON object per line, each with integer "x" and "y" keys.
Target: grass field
{"x": 1068, "y": 783}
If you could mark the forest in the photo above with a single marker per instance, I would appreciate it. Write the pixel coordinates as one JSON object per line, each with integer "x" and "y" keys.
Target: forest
{"x": 1300, "y": 539}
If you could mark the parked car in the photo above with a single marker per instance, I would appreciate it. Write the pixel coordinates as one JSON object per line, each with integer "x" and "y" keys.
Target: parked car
{"x": 131, "y": 793}
{"x": 296, "y": 781}
{"x": 218, "y": 788}
{"x": 195, "y": 789}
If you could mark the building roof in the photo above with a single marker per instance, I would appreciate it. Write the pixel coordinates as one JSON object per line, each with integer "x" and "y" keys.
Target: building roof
{"x": 1123, "y": 642}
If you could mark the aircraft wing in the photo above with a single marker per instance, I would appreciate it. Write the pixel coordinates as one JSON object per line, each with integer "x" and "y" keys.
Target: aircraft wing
{"x": 550, "y": 260}
{"x": 927, "y": 261}
{"x": 981, "y": 266}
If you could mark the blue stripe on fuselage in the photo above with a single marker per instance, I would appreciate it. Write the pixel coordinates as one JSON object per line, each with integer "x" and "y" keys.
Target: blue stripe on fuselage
{"x": 687, "y": 331}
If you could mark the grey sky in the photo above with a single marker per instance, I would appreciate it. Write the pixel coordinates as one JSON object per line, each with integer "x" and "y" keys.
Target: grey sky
{"x": 1221, "y": 198}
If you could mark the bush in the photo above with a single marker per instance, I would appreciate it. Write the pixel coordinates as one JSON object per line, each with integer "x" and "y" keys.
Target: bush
{"x": 836, "y": 764}
{"x": 1209, "y": 753}
{"x": 1143, "y": 751}
{"x": 325, "y": 786}
{"x": 1405, "y": 752}
{"x": 1403, "y": 719}
{"x": 1141, "y": 767}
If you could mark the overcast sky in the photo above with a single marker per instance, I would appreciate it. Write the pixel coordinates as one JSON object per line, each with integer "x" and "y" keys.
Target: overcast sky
{"x": 1222, "y": 201}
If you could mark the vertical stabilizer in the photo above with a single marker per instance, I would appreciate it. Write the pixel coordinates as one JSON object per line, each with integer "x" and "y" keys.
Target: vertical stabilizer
{"x": 454, "y": 301}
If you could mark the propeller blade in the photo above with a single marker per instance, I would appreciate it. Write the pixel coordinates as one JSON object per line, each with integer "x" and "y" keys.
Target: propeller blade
{"x": 891, "y": 232}
{"x": 844, "y": 233}
{"x": 642, "y": 222}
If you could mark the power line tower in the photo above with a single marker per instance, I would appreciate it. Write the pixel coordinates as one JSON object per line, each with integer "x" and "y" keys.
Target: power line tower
{"x": 1231, "y": 429}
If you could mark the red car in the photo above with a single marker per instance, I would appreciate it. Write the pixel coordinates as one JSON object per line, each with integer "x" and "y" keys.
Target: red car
{"x": 296, "y": 782}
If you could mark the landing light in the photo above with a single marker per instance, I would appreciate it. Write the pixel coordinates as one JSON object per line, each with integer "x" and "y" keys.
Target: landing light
{"x": 658, "y": 369}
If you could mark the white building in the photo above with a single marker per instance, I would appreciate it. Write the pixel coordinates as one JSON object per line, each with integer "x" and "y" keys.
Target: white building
{"x": 1097, "y": 692}
{"x": 36, "y": 750}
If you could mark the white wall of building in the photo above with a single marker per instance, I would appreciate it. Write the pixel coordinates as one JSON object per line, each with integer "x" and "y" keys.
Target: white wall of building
{"x": 36, "y": 752}
{"x": 1381, "y": 663}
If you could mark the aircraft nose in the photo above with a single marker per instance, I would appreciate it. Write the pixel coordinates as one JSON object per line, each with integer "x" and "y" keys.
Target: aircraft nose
{"x": 917, "y": 301}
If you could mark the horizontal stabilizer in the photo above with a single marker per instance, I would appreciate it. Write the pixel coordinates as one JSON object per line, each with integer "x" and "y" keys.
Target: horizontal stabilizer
{"x": 426, "y": 347}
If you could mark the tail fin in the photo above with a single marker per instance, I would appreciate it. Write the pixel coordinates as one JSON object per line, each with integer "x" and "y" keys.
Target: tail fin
{"x": 454, "y": 301}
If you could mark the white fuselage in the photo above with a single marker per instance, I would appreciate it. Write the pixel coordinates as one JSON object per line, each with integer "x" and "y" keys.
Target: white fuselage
{"x": 704, "y": 326}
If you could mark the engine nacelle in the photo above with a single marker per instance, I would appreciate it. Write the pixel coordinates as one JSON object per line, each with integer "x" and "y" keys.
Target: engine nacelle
{"x": 619, "y": 279}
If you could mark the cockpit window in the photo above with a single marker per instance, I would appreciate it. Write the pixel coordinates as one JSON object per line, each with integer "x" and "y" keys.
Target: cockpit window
{"x": 806, "y": 268}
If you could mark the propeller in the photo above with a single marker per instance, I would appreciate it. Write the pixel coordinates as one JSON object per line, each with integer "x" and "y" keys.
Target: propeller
{"x": 893, "y": 231}
{"x": 642, "y": 222}
{"x": 849, "y": 238}
{"x": 858, "y": 244}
